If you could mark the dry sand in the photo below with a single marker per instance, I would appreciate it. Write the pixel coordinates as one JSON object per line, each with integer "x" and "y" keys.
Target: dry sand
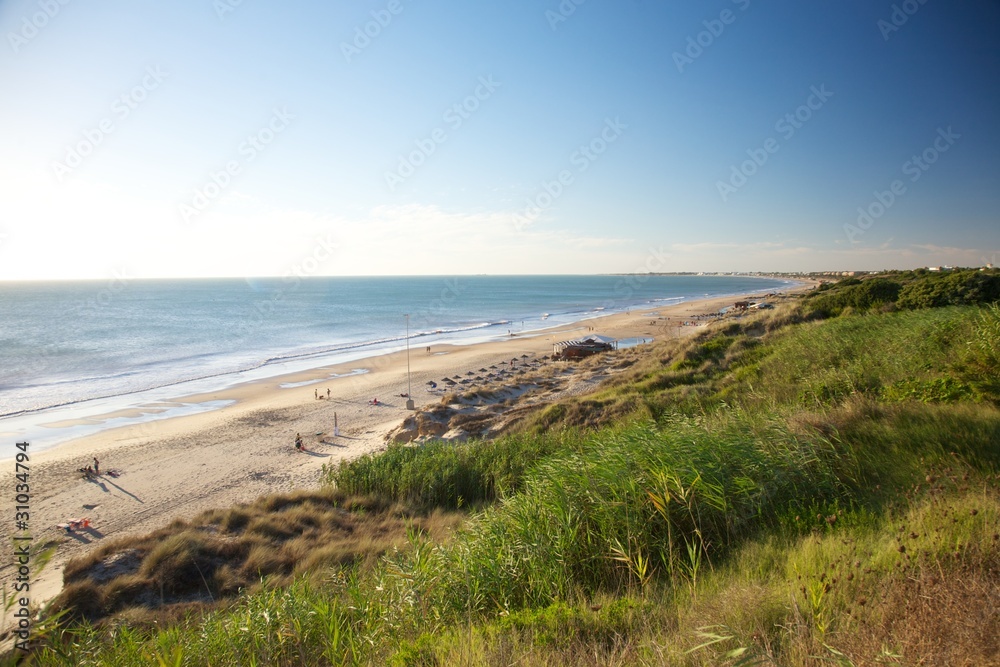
{"x": 178, "y": 467}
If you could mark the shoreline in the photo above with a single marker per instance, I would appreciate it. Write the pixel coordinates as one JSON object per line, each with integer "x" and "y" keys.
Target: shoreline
{"x": 60, "y": 425}
{"x": 180, "y": 466}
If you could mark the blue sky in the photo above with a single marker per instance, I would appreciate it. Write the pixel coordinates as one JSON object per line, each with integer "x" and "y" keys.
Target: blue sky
{"x": 227, "y": 138}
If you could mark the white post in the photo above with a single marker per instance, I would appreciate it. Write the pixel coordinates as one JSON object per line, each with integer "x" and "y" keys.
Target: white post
{"x": 409, "y": 392}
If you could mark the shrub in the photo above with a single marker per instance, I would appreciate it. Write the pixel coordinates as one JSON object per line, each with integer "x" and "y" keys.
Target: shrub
{"x": 445, "y": 474}
{"x": 82, "y": 600}
{"x": 180, "y": 563}
{"x": 859, "y": 295}
{"x": 958, "y": 288}
{"x": 981, "y": 360}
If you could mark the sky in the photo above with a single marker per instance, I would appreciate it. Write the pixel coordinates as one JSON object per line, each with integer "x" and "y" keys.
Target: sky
{"x": 210, "y": 138}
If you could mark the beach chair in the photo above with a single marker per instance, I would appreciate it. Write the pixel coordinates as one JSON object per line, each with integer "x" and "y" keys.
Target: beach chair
{"x": 75, "y": 524}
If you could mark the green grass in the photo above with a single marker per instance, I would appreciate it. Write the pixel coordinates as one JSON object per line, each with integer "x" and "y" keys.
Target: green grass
{"x": 641, "y": 500}
{"x": 443, "y": 474}
{"x": 844, "y": 589}
{"x": 835, "y": 593}
{"x": 909, "y": 355}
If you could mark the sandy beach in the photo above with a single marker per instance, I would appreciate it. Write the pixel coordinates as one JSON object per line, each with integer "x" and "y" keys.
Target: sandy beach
{"x": 178, "y": 467}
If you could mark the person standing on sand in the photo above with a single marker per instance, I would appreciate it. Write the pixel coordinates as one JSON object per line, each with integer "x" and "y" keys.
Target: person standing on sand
{"x": 298, "y": 442}
{"x": 316, "y": 394}
{"x": 328, "y": 393}
{"x": 97, "y": 466}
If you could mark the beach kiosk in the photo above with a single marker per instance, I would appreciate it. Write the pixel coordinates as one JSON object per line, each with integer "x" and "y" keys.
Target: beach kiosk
{"x": 583, "y": 347}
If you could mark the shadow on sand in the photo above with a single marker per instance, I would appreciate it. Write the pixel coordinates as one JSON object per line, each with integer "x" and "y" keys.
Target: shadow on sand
{"x": 82, "y": 539}
{"x": 127, "y": 493}
{"x": 85, "y": 535}
{"x": 93, "y": 532}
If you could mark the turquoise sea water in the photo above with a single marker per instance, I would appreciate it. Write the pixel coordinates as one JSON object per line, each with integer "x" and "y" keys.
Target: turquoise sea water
{"x": 67, "y": 349}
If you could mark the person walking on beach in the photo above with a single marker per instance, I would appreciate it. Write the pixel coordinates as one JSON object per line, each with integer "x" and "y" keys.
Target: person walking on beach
{"x": 298, "y": 442}
{"x": 97, "y": 466}
{"x": 328, "y": 393}
{"x": 316, "y": 394}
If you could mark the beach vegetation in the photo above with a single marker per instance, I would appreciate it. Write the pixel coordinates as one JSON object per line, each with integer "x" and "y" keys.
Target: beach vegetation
{"x": 220, "y": 554}
{"x": 908, "y": 290}
{"x": 447, "y": 475}
{"x": 815, "y": 484}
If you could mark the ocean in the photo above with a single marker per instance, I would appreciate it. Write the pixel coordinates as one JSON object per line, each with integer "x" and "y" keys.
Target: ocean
{"x": 69, "y": 350}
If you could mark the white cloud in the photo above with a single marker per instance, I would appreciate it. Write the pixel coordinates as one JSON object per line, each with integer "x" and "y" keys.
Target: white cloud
{"x": 84, "y": 229}
{"x": 427, "y": 239}
{"x": 87, "y": 229}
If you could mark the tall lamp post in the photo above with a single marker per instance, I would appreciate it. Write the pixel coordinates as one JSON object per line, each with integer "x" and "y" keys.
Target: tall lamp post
{"x": 409, "y": 391}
